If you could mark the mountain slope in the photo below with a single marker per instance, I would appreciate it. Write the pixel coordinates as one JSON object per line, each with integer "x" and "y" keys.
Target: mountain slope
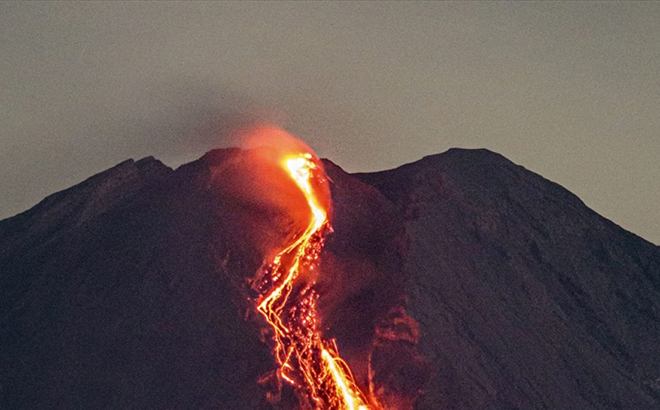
{"x": 525, "y": 297}
{"x": 112, "y": 299}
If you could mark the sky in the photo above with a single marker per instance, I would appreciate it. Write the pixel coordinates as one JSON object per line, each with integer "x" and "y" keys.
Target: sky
{"x": 569, "y": 90}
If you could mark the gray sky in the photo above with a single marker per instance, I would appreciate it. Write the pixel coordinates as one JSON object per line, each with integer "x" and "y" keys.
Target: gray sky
{"x": 568, "y": 90}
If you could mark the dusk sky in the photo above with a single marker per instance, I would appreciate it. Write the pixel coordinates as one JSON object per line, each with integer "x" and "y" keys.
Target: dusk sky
{"x": 570, "y": 90}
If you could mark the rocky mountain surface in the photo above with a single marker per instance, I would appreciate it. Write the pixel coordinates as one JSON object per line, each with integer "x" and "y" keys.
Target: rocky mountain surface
{"x": 461, "y": 274}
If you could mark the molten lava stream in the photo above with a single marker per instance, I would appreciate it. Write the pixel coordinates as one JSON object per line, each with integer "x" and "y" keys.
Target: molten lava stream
{"x": 322, "y": 380}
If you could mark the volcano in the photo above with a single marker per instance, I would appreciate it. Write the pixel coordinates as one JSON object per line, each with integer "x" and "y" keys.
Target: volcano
{"x": 460, "y": 281}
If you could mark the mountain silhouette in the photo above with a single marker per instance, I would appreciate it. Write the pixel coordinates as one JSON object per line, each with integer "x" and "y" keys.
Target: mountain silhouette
{"x": 460, "y": 281}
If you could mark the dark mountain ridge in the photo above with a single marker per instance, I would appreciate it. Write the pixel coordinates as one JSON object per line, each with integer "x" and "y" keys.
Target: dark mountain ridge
{"x": 128, "y": 290}
{"x": 522, "y": 287}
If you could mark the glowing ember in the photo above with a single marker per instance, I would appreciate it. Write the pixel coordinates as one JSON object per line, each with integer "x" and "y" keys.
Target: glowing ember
{"x": 322, "y": 380}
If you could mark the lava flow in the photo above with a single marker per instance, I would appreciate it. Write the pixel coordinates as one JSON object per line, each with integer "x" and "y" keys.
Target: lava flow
{"x": 321, "y": 379}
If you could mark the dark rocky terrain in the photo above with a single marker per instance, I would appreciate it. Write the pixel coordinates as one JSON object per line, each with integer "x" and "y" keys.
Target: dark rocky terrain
{"x": 129, "y": 290}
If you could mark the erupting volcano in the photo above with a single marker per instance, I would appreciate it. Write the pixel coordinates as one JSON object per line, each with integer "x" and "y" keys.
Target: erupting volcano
{"x": 459, "y": 281}
{"x": 321, "y": 379}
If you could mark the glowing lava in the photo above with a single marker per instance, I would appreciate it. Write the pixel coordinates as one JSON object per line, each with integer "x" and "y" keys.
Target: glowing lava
{"x": 322, "y": 380}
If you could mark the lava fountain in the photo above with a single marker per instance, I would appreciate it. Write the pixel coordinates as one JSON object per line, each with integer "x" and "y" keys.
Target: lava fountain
{"x": 312, "y": 365}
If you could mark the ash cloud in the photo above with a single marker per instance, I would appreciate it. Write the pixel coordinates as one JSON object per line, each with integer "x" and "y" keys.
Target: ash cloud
{"x": 183, "y": 117}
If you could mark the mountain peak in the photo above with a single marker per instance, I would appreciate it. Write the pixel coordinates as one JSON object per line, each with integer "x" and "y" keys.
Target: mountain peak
{"x": 495, "y": 246}
{"x": 91, "y": 197}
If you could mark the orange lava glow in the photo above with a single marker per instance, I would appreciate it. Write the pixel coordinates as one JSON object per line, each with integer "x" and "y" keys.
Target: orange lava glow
{"x": 321, "y": 379}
